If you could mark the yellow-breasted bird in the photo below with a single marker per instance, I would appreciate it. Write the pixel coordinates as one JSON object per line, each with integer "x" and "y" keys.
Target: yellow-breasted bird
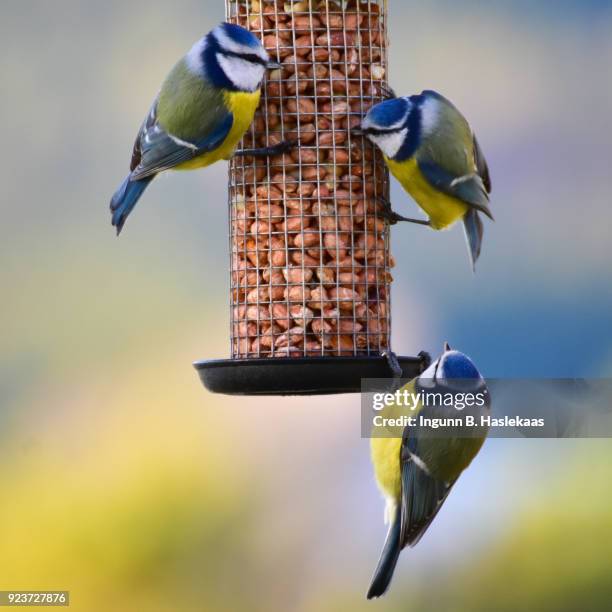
{"x": 416, "y": 471}
{"x": 431, "y": 150}
{"x": 203, "y": 109}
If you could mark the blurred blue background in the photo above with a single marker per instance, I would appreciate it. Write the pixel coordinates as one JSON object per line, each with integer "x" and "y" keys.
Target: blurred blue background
{"x": 125, "y": 482}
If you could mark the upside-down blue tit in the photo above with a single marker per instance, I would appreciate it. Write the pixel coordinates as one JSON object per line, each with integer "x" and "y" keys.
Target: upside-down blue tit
{"x": 203, "y": 109}
{"x": 416, "y": 470}
{"x": 431, "y": 150}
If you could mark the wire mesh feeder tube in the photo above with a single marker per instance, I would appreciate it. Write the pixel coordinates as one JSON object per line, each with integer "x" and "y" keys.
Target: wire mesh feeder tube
{"x": 309, "y": 251}
{"x": 310, "y": 255}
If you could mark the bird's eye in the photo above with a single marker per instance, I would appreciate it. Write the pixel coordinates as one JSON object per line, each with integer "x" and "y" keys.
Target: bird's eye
{"x": 255, "y": 59}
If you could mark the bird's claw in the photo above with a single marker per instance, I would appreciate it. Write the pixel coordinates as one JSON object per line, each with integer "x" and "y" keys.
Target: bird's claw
{"x": 394, "y": 364}
{"x": 392, "y": 217}
{"x": 387, "y": 91}
{"x": 425, "y": 358}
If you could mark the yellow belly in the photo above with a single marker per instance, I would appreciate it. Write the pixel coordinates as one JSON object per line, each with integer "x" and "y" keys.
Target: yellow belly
{"x": 443, "y": 210}
{"x": 243, "y": 106}
{"x": 386, "y": 444}
{"x": 385, "y": 453}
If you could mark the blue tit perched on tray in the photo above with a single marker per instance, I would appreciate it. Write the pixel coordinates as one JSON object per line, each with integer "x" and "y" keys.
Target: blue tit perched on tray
{"x": 203, "y": 109}
{"x": 431, "y": 150}
{"x": 416, "y": 471}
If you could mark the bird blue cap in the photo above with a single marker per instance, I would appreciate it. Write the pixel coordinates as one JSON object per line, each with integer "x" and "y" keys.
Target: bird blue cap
{"x": 452, "y": 370}
{"x": 454, "y": 364}
{"x": 237, "y": 34}
{"x": 390, "y": 114}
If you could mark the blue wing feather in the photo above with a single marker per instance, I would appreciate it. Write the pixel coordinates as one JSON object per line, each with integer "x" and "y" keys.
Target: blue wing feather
{"x": 473, "y": 235}
{"x": 388, "y": 560}
{"x": 422, "y": 496}
{"x": 161, "y": 151}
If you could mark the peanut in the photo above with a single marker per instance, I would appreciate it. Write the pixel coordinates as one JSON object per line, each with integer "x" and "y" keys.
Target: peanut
{"x": 295, "y": 274}
{"x": 318, "y": 298}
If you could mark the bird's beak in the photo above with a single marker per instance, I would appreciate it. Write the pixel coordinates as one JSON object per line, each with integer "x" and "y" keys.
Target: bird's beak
{"x": 272, "y": 65}
{"x": 447, "y": 347}
{"x": 357, "y": 131}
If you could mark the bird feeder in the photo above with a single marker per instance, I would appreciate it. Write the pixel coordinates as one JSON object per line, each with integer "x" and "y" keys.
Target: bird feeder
{"x": 310, "y": 261}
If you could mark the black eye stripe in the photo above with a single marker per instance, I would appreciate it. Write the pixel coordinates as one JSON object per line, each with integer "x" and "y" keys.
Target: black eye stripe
{"x": 249, "y": 57}
{"x": 379, "y": 132}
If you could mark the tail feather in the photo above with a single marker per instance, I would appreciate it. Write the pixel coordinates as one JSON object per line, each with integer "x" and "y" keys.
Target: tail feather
{"x": 125, "y": 199}
{"x": 473, "y": 234}
{"x": 388, "y": 560}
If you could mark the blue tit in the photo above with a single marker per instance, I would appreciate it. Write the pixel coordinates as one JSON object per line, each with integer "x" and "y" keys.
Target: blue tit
{"x": 416, "y": 471}
{"x": 203, "y": 109}
{"x": 431, "y": 150}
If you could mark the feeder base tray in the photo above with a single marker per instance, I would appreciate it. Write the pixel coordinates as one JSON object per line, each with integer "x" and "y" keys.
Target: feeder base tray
{"x": 300, "y": 376}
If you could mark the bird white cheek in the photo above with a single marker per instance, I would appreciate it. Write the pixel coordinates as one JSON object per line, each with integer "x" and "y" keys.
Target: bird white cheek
{"x": 194, "y": 57}
{"x": 390, "y": 143}
{"x": 430, "y": 114}
{"x": 246, "y": 76}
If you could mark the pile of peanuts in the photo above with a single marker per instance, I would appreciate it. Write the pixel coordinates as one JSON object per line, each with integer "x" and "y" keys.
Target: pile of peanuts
{"x": 310, "y": 254}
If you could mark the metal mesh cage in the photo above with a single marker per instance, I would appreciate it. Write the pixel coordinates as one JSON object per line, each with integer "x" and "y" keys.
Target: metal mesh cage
{"x": 310, "y": 260}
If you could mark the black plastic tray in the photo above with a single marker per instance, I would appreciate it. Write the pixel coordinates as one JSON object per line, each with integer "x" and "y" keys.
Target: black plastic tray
{"x": 300, "y": 376}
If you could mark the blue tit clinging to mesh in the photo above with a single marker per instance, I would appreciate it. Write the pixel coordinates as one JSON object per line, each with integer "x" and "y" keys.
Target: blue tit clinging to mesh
{"x": 415, "y": 471}
{"x": 203, "y": 109}
{"x": 431, "y": 150}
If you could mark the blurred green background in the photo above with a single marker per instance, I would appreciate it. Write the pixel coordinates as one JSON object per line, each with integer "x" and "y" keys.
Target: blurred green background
{"x": 125, "y": 482}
